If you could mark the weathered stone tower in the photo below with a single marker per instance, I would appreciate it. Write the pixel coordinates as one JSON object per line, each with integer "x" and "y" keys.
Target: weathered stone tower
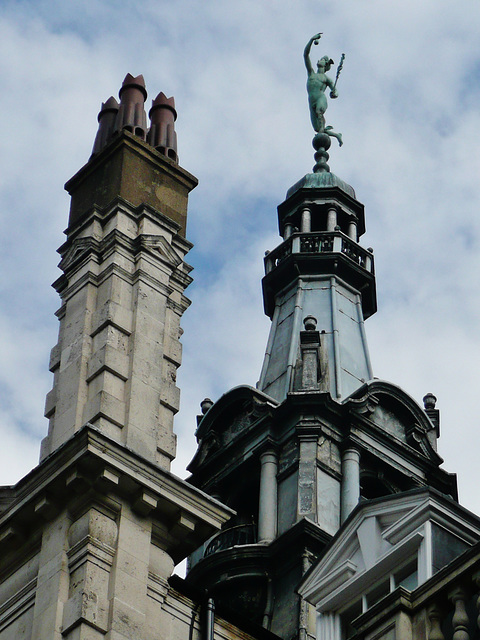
{"x": 295, "y": 456}
{"x": 123, "y": 283}
{"x": 90, "y": 537}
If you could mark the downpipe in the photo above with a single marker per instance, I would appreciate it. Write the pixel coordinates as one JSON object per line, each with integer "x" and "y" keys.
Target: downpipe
{"x": 209, "y": 619}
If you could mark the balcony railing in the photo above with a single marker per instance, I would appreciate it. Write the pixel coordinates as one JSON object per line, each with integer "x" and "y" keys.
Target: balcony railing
{"x": 321, "y": 242}
{"x": 240, "y": 535}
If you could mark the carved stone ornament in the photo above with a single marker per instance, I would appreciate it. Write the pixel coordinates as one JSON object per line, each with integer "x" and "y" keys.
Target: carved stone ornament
{"x": 365, "y": 405}
{"x": 418, "y": 439}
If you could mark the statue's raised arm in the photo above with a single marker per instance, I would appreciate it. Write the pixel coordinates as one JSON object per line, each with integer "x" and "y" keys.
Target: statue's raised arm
{"x": 306, "y": 53}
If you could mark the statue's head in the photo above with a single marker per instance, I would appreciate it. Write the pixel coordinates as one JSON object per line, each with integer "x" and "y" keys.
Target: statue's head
{"x": 324, "y": 64}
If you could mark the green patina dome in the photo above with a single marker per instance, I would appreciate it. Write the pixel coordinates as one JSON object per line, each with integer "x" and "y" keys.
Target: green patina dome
{"x": 321, "y": 180}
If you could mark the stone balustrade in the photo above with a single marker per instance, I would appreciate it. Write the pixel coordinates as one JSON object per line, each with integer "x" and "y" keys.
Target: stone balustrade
{"x": 454, "y": 614}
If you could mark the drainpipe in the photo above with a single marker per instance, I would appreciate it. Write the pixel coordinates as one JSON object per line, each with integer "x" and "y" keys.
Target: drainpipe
{"x": 303, "y": 618}
{"x": 209, "y": 619}
{"x": 268, "y": 613}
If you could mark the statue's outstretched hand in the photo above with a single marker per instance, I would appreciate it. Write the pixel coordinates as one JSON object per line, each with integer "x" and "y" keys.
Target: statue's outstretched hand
{"x": 316, "y": 38}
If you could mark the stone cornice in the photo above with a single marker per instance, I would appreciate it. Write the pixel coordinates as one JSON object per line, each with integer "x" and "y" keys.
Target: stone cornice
{"x": 92, "y": 462}
{"x": 132, "y": 169}
{"x": 140, "y": 148}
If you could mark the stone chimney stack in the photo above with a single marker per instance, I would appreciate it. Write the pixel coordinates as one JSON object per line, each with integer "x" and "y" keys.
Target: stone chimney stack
{"x": 91, "y": 536}
{"x": 123, "y": 282}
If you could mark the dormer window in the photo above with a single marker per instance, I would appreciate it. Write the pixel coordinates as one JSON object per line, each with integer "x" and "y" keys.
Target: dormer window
{"x": 398, "y": 541}
{"x": 406, "y": 577}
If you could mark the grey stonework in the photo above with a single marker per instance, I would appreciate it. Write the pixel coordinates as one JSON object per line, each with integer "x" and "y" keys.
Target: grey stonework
{"x": 122, "y": 292}
{"x": 89, "y": 539}
{"x": 334, "y": 434}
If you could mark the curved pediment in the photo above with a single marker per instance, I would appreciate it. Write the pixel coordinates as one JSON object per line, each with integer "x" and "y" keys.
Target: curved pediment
{"x": 393, "y": 411}
{"x": 232, "y": 416}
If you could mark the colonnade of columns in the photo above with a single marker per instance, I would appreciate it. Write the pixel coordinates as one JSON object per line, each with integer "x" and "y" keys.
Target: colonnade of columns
{"x": 332, "y": 222}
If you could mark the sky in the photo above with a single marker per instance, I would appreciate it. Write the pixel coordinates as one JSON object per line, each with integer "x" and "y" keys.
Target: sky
{"x": 409, "y": 112}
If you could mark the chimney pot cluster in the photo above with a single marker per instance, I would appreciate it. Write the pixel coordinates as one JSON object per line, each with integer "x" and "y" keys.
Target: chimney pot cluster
{"x": 130, "y": 114}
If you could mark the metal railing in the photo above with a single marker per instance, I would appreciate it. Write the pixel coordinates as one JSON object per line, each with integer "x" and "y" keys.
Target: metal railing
{"x": 321, "y": 242}
{"x": 240, "y": 535}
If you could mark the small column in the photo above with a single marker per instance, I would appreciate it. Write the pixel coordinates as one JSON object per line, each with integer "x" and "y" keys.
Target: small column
{"x": 434, "y": 615}
{"x": 460, "y": 620}
{"x": 352, "y": 230}
{"x": 308, "y": 431}
{"x": 210, "y": 620}
{"x": 331, "y": 219}
{"x": 350, "y": 482}
{"x": 328, "y": 626}
{"x": 296, "y": 244}
{"x": 269, "y": 263}
{"x": 267, "y": 508}
{"x": 288, "y": 231}
{"x": 368, "y": 260}
{"x": 337, "y": 242}
{"x": 306, "y": 220}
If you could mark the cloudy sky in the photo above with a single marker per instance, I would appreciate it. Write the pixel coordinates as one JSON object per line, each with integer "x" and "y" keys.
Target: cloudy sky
{"x": 409, "y": 110}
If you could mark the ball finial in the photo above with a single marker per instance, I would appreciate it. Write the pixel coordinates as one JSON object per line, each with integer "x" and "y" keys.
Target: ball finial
{"x": 205, "y": 405}
{"x": 310, "y": 323}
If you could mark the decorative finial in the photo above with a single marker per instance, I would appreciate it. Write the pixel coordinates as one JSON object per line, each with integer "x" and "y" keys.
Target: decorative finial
{"x": 310, "y": 323}
{"x": 205, "y": 405}
{"x": 317, "y": 84}
{"x": 429, "y": 401}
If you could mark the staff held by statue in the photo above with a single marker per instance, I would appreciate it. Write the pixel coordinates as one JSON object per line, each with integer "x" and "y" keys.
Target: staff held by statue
{"x": 339, "y": 68}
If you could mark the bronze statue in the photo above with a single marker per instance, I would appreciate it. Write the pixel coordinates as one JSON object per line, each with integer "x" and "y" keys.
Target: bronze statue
{"x": 317, "y": 84}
